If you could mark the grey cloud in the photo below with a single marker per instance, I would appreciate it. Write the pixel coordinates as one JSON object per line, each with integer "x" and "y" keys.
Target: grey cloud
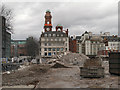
{"x": 77, "y": 17}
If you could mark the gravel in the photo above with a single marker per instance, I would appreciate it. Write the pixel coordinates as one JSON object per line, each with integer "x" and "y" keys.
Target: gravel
{"x": 74, "y": 59}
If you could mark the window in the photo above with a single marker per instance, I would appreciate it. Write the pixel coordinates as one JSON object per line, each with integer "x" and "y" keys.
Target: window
{"x": 54, "y": 53}
{"x": 49, "y": 54}
{"x": 61, "y": 49}
{"x": 62, "y": 35}
{"x": 51, "y": 39}
{"x": 54, "y": 35}
{"x": 66, "y": 49}
{"x": 49, "y": 35}
{"x": 45, "y": 49}
{"x": 49, "y": 49}
{"x": 45, "y": 44}
{"x": 45, "y": 35}
{"x": 59, "y": 39}
{"x": 55, "y": 39}
{"x": 58, "y": 49}
{"x": 53, "y": 49}
{"x": 45, "y": 54}
{"x": 57, "y": 35}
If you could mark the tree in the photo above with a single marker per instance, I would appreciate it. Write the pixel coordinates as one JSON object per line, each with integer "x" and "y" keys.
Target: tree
{"x": 8, "y": 14}
{"x": 32, "y": 46}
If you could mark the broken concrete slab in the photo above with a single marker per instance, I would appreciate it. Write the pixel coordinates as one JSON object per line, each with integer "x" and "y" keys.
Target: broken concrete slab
{"x": 59, "y": 65}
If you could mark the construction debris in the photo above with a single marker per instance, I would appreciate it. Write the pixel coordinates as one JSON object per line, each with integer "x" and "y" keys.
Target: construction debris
{"x": 51, "y": 61}
{"x": 74, "y": 59}
{"x": 25, "y": 76}
{"x": 92, "y": 68}
{"x": 43, "y": 76}
{"x": 10, "y": 66}
{"x": 93, "y": 63}
{"x": 92, "y": 72}
{"x": 59, "y": 65}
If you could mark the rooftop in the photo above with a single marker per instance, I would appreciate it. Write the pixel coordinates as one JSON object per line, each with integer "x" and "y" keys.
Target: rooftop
{"x": 59, "y": 25}
{"x": 54, "y": 32}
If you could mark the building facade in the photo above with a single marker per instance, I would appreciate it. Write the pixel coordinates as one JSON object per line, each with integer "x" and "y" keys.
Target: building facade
{"x": 18, "y": 48}
{"x": 89, "y": 44}
{"x": 5, "y": 39}
{"x": 53, "y": 42}
{"x": 112, "y": 44}
{"x": 8, "y": 44}
{"x": 1, "y": 30}
{"x": 72, "y": 45}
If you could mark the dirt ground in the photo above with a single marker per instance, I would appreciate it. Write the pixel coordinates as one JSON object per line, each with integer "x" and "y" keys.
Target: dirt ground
{"x": 25, "y": 76}
{"x": 70, "y": 78}
{"x": 42, "y": 76}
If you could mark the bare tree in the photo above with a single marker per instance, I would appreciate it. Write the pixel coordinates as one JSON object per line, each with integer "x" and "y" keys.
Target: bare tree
{"x": 8, "y": 14}
{"x": 32, "y": 46}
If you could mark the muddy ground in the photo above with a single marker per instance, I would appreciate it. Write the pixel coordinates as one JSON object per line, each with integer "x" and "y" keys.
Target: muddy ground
{"x": 43, "y": 76}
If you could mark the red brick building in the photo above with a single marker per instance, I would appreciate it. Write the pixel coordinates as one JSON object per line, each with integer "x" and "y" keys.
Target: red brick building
{"x": 18, "y": 48}
{"x": 72, "y": 45}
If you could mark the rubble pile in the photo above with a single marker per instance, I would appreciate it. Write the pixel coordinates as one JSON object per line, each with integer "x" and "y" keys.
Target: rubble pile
{"x": 25, "y": 76}
{"x": 92, "y": 63}
{"x": 74, "y": 59}
{"x": 59, "y": 65}
{"x": 39, "y": 69}
{"x": 92, "y": 68}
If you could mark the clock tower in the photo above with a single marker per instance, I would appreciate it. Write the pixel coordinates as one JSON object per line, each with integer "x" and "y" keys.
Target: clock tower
{"x": 48, "y": 25}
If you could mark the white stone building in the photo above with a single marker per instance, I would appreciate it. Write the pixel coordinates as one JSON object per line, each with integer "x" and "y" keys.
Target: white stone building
{"x": 53, "y": 43}
{"x": 89, "y": 44}
{"x": 112, "y": 45}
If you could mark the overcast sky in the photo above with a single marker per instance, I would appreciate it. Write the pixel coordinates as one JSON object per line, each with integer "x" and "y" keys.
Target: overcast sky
{"x": 78, "y": 17}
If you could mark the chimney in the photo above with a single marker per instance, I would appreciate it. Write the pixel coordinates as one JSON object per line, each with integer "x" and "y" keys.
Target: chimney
{"x": 66, "y": 31}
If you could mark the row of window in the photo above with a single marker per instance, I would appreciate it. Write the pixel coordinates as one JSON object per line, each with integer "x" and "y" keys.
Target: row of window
{"x": 49, "y": 53}
{"x": 113, "y": 48}
{"x": 53, "y": 35}
{"x": 55, "y": 44}
{"x": 113, "y": 44}
{"x": 55, "y": 39}
{"x": 54, "y": 49}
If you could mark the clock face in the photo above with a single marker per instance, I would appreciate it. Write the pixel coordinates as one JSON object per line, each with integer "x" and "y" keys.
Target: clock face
{"x": 48, "y": 22}
{"x": 47, "y": 29}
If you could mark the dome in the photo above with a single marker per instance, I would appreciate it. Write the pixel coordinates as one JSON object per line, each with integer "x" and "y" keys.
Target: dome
{"x": 59, "y": 25}
{"x": 48, "y": 10}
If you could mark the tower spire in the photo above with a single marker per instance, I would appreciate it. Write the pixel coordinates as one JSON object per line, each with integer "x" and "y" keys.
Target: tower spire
{"x": 48, "y": 24}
